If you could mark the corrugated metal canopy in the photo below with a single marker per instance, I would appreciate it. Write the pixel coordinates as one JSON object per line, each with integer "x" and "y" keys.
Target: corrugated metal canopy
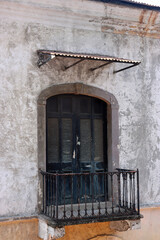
{"x": 152, "y": 3}
{"x": 47, "y": 55}
{"x": 133, "y": 3}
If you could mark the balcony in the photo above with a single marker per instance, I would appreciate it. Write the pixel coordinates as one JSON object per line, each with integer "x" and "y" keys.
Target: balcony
{"x": 74, "y": 198}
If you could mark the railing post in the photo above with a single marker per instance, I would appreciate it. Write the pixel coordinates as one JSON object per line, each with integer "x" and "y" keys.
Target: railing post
{"x": 43, "y": 192}
{"x": 53, "y": 196}
{"x": 64, "y": 192}
{"x": 72, "y": 200}
{"x": 130, "y": 191}
{"x": 105, "y": 191}
{"x": 123, "y": 175}
{"x": 99, "y": 192}
{"x": 92, "y": 182}
{"x": 56, "y": 196}
{"x": 126, "y": 190}
{"x": 85, "y": 196}
{"x": 138, "y": 208}
{"x": 112, "y": 192}
{"x": 119, "y": 190}
{"x": 134, "y": 205}
{"x": 47, "y": 195}
{"x": 79, "y": 194}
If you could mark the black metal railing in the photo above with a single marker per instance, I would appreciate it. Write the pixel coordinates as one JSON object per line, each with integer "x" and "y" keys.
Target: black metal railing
{"x": 87, "y": 196}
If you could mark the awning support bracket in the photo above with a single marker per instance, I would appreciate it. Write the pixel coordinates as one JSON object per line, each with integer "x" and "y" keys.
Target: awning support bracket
{"x": 92, "y": 69}
{"x": 74, "y": 64}
{"x": 44, "y": 58}
{"x": 120, "y": 70}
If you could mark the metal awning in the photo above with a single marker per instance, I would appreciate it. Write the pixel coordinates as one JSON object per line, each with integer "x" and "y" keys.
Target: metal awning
{"x": 47, "y": 55}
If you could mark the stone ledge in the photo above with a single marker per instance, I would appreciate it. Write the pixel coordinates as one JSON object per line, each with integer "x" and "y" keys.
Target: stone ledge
{"x": 48, "y": 232}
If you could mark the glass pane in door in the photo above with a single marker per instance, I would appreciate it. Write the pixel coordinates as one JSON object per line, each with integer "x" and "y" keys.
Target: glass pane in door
{"x": 98, "y": 140}
{"x": 53, "y": 140}
{"x": 66, "y": 139}
{"x": 85, "y": 140}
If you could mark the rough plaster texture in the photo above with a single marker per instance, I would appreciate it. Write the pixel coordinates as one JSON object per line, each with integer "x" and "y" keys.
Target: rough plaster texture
{"x": 75, "y": 26}
{"x": 26, "y": 229}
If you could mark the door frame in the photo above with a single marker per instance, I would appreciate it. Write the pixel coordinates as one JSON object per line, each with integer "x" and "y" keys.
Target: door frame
{"x": 83, "y": 89}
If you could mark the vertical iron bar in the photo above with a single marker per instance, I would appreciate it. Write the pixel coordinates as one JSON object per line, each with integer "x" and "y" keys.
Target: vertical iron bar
{"x": 105, "y": 192}
{"x": 51, "y": 179}
{"x": 79, "y": 195}
{"x": 119, "y": 190}
{"x": 71, "y": 196}
{"x": 134, "y": 205}
{"x": 85, "y": 195}
{"x": 138, "y": 207}
{"x": 43, "y": 192}
{"x": 48, "y": 195}
{"x": 57, "y": 196}
{"x": 45, "y": 185}
{"x": 130, "y": 176}
{"x": 99, "y": 201}
{"x": 64, "y": 192}
{"x": 126, "y": 191}
{"x": 54, "y": 196}
{"x": 92, "y": 184}
{"x": 112, "y": 191}
{"x": 50, "y": 200}
{"x": 50, "y": 192}
{"x": 123, "y": 175}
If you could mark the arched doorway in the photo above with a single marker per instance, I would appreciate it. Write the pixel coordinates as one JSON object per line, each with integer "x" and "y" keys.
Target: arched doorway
{"x": 109, "y": 114}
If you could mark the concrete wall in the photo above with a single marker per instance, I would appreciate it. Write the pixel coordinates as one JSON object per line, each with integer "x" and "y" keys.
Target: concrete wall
{"x": 26, "y": 229}
{"x": 76, "y": 26}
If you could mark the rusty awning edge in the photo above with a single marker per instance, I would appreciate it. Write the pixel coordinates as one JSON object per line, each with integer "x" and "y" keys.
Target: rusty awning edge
{"x": 47, "y": 55}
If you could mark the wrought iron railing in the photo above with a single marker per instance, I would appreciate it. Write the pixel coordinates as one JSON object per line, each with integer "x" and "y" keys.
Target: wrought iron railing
{"x": 100, "y": 196}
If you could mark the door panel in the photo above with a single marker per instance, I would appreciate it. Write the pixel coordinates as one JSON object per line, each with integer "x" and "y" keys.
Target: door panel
{"x": 85, "y": 140}
{"x": 98, "y": 140}
{"x": 76, "y": 136}
{"x": 67, "y": 140}
{"x": 53, "y": 140}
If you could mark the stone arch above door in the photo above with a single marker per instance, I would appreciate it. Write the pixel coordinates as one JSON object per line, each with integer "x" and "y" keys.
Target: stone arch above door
{"x": 83, "y": 89}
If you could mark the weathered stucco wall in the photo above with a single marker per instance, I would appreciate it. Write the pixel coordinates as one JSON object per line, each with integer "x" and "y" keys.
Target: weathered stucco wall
{"x": 76, "y": 26}
{"x": 26, "y": 229}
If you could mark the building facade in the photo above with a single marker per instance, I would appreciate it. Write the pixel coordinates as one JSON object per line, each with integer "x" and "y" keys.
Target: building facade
{"x": 54, "y": 100}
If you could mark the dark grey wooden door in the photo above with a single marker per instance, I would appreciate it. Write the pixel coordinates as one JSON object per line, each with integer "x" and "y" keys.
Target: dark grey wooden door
{"x": 77, "y": 140}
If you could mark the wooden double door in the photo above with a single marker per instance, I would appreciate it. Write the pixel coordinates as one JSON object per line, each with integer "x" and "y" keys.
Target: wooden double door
{"x": 77, "y": 142}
